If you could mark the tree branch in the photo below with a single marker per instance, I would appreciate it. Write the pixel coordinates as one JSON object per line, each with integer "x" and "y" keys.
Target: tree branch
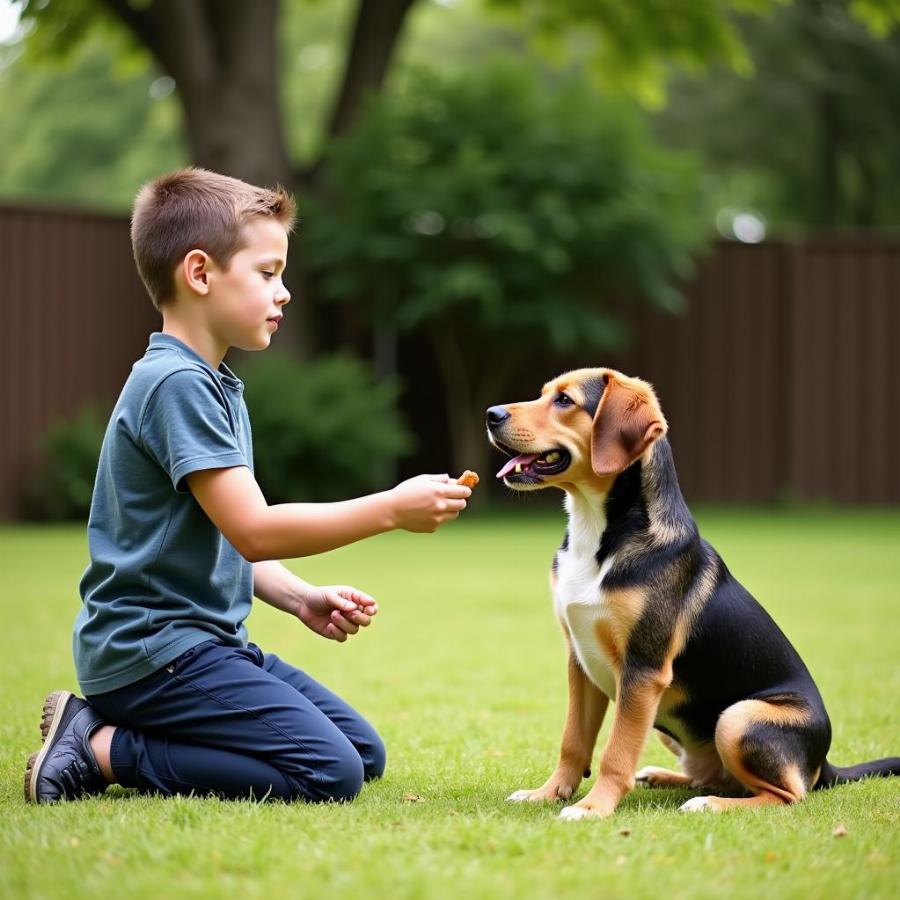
{"x": 375, "y": 33}
{"x": 140, "y": 23}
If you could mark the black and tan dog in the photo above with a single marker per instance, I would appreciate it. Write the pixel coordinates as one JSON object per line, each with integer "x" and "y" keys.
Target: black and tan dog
{"x": 654, "y": 620}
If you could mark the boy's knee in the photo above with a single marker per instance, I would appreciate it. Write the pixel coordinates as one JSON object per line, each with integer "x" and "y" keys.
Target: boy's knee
{"x": 374, "y": 758}
{"x": 342, "y": 780}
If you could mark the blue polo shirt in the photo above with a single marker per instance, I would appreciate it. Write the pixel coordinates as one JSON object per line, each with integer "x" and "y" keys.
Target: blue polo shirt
{"x": 161, "y": 577}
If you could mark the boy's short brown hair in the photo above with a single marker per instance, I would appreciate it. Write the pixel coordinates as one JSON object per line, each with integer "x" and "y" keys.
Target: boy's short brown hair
{"x": 195, "y": 209}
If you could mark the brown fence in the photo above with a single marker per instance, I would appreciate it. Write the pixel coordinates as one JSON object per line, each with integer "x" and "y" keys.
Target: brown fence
{"x": 781, "y": 380}
{"x": 75, "y": 317}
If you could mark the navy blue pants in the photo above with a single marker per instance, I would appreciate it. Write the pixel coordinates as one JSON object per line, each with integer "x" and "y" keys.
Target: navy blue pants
{"x": 237, "y": 722}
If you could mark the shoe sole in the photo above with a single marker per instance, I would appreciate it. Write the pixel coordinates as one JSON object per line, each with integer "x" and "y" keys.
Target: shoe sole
{"x": 54, "y": 709}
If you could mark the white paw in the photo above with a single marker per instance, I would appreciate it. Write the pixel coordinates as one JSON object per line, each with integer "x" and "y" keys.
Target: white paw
{"x": 647, "y": 774}
{"x": 519, "y": 796}
{"x": 697, "y": 804}
{"x": 574, "y": 813}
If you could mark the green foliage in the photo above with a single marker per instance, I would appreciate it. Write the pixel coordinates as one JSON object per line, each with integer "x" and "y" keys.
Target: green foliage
{"x": 322, "y": 430}
{"x": 61, "y": 485}
{"x": 632, "y": 45}
{"x": 524, "y": 206}
{"x": 812, "y": 139}
{"x": 85, "y": 129}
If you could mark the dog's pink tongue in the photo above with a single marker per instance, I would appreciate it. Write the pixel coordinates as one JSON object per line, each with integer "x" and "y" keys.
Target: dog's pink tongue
{"x": 525, "y": 460}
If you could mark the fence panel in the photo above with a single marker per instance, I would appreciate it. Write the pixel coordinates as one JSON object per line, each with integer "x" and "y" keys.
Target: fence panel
{"x": 781, "y": 379}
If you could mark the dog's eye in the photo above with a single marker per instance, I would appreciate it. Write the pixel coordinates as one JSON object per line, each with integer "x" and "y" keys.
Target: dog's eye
{"x": 564, "y": 400}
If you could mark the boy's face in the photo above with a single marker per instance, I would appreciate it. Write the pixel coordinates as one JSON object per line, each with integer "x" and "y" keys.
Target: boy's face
{"x": 246, "y": 300}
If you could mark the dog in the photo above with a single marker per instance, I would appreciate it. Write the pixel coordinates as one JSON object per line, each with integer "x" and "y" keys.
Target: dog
{"x": 654, "y": 621}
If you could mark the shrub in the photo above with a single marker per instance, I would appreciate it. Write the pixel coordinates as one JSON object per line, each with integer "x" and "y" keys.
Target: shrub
{"x": 62, "y": 483}
{"x": 323, "y": 430}
{"x": 493, "y": 214}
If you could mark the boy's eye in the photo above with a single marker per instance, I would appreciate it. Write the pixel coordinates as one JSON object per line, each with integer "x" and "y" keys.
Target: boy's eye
{"x": 268, "y": 275}
{"x": 563, "y": 400}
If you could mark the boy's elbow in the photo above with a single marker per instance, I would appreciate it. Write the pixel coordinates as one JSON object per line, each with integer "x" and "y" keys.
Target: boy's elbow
{"x": 252, "y": 555}
{"x": 250, "y": 544}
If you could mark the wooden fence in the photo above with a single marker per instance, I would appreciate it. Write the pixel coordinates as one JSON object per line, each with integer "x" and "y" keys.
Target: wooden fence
{"x": 782, "y": 380}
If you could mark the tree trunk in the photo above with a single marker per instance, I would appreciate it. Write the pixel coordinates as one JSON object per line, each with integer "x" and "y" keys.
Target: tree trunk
{"x": 223, "y": 56}
{"x": 375, "y": 33}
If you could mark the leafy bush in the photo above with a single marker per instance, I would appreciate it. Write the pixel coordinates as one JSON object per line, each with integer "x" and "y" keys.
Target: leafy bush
{"x": 62, "y": 483}
{"x": 322, "y": 430}
{"x": 495, "y": 214}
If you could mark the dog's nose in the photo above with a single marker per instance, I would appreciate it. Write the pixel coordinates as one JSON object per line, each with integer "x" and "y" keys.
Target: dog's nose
{"x": 496, "y": 415}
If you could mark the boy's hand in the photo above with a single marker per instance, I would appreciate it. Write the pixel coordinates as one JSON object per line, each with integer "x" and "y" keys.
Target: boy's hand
{"x": 336, "y": 611}
{"x": 426, "y": 502}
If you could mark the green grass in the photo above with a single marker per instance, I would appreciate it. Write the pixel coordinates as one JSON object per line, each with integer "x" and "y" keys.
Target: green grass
{"x": 463, "y": 674}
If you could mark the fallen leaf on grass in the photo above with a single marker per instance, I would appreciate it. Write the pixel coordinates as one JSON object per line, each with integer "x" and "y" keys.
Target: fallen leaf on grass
{"x": 413, "y": 798}
{"x": 840, "y": 831}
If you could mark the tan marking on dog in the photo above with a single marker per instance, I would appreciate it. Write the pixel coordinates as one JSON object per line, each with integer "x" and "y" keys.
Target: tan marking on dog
{"x": 631, "y": 725}
{"x": 733, "y": 725}
{"x": 657, "y": 777}
{"x": 623, "y": 608}
{"x": 720, "y": 804}
{"x": 584, "y": 716}
{"x": 673, "y": 696}
{"x": 609, "y": 645}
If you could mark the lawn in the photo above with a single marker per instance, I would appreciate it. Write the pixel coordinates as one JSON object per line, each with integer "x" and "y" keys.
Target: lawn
{"x": 464, "y": 675}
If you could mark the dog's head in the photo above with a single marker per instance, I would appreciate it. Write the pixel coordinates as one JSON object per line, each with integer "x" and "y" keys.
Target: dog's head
{"x": 586, "y": 427}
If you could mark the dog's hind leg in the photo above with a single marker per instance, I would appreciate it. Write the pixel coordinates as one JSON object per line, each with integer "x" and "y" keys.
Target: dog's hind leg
{"x": 653, "y": 776}
{"x": 773, "y": 747}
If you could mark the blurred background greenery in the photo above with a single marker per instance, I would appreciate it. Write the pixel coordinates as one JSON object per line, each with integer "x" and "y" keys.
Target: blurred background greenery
{"x": 470, "y": 173}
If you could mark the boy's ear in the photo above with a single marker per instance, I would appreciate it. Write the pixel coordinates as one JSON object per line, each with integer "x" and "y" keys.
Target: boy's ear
{"x": 195, "y": 268}
{"x": 627, "y": 421}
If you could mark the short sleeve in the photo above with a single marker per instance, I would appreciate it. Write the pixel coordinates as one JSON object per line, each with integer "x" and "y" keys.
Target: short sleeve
{"x": 187, "y": 426}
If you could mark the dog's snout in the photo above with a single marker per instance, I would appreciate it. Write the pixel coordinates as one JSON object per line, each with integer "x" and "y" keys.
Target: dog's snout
{"x": 496, "y": 415}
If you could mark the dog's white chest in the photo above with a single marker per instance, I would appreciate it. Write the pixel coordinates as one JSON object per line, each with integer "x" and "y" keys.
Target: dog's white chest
{"x": 580, "y": 606}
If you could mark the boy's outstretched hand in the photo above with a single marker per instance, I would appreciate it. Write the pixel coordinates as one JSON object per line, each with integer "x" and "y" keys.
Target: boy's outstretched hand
{"x": 336, "y": 611}
{"x": 426, "y": 502}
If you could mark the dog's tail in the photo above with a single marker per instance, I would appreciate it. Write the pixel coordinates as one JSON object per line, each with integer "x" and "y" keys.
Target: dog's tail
{"x": 877, "y": 768}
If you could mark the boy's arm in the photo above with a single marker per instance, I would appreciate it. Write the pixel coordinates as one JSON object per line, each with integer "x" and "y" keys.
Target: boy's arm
{"x": 334, "y": 612}
{"x": 235, "y": 504}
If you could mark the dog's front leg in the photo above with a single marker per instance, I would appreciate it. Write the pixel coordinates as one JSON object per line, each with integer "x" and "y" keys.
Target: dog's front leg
{"x": 638, "y": 699}
{"x": 587, "y": 706}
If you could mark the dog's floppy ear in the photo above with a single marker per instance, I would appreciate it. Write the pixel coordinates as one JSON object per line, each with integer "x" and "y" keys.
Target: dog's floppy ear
{"x": 627, "y": 421}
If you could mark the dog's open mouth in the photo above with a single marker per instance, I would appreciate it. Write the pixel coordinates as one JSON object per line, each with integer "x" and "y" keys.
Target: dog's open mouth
{"x": 532, "y": 466}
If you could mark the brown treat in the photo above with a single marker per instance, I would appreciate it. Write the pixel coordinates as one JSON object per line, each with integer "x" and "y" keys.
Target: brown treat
{"x": 468, "y": 478}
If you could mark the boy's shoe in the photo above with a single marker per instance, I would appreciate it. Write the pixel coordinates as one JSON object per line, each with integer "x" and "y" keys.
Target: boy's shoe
{"x": 65, "y": 767}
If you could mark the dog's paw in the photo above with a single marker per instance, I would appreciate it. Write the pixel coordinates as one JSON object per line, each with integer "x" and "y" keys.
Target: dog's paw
{"x": 578, "y": 812}
{"x": 649, "y": 775}
{"x": 699, "y": 804}
{"x": 542, "y": 794}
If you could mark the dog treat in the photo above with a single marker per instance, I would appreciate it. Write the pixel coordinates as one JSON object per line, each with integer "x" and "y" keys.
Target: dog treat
{"x": 468, "y": 478}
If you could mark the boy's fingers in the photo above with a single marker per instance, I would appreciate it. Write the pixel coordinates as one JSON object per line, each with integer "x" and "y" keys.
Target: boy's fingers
{"x": 334, "y": 633}
{"x": 358, "y": 598}
{"x": 338, "y": 620}
{"x": 340, "y": 601}
{"x": 456, "y": 491}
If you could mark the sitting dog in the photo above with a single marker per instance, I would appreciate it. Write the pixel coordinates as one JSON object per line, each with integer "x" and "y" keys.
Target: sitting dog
{"x": 653, "y": 619}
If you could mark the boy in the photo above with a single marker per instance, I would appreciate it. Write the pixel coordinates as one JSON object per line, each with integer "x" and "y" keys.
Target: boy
{"x": 181, "y": 538}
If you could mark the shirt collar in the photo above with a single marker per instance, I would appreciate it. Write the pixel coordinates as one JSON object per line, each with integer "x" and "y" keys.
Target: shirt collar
{"x": 160, "y": 341}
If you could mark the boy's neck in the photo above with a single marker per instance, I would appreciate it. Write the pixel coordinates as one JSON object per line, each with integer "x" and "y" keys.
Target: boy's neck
{"x": 196, "y": 336}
